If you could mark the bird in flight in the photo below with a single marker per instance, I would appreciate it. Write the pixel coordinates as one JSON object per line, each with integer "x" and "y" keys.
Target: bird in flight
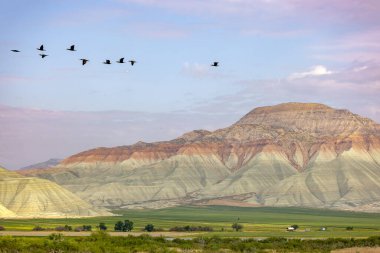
{"x": 121, "y": 60}
{"x": 15, "y": 50}
{"x": 84, "y": 61}
{"x": 43, "y": 55}
{"x": 107, "y": 62}
{"x": 132, "y": 62}
{"x": 215, "y": 64}
{"x": 71, "y": 48}
{"x": 41, "y": 48}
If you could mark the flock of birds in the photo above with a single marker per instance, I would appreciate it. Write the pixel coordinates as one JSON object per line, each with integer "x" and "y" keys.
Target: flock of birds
{"x": 84, "y": 61}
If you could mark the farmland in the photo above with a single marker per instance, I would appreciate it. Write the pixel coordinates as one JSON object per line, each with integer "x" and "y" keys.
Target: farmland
{"x": 257, "y": 222}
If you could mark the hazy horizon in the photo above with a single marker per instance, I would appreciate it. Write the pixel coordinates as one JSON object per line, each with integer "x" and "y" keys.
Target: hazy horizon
{"x": 269, "y": 51}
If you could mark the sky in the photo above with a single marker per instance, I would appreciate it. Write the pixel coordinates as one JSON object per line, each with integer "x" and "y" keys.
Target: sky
{"x": 270, "y": 52}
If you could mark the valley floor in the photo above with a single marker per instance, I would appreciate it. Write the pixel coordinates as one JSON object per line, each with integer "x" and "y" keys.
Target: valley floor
{"x": 259, "y": 222}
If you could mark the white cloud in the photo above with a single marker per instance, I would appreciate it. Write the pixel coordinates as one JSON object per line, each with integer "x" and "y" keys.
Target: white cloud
{"x": 318, "y": 70}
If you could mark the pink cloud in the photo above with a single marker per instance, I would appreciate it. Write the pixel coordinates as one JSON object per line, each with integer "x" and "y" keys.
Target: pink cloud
{"x": 359, "y": 46}
{"x": 336, "y": 11}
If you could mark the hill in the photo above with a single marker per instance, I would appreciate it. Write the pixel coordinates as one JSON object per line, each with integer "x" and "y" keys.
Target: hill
{"x": 43, "y": 165}
{"x": 293, "y": 154}
{"x": 34, "y": 197}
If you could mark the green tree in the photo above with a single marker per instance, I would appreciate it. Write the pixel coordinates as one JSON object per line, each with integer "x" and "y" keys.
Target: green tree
{"x": 87, "y": 227}
{"x": 119, "y": 226}
{"x": 68, "y": 228}
{"x": 102, "y": 226}
{"x": 128, "y": 225}
{"x": 149, "y": 227}
{"x": 237, "y": 227}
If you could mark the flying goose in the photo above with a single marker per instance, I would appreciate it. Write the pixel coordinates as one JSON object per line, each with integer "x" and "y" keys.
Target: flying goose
{"x": 84, "y": 61}
{"x": 71, "y": 48}
{"x": 41, "y": 48}
{"x": 121, "y": 60}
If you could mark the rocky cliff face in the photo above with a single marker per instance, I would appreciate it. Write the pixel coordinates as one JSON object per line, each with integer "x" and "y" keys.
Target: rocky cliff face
{"x": 34, "y": 197}
{"x": 292, "y": 154}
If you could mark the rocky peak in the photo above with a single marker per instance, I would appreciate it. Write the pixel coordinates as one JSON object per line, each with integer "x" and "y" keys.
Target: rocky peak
{"x": 194, "y": 135}
{"x": 316, "y": 119}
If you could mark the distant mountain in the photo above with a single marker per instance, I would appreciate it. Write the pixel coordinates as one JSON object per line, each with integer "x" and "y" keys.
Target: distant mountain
{"x": 34, "y": 197}
{"x": 293, "y": 154}
{"x": 43, "y": 165}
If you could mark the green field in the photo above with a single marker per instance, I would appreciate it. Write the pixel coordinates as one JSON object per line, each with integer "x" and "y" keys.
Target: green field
{"x": 257, "y": 221}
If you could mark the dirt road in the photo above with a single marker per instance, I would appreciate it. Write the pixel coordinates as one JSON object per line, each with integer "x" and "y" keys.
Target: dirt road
{"x": 47, "y": 233}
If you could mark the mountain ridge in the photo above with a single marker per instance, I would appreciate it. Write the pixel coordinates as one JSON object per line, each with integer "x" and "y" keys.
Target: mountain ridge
{"x": 291, "y": 147}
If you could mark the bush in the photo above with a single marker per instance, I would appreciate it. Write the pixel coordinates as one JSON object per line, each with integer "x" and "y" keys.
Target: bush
{"x": 78, "y": 229}
{"x": 59, "y": 228}
{"x": 119, "y": 226}
{"x": 102, "y": 226}
{"x": 57, "y": 237}
{"x": 237, "y": 227}
{"x": 149, "y": 228}
{"x": 83, "y": 228}
{"x": 350, "y": 228}
{"x": 2, "y": 228}
{"x": 65, "y": 228}
{"x": 191, "y": 228}
{"x": 38, "y": 228}
{"x": 87, "y": 228}
{"x": 127, "y": 225}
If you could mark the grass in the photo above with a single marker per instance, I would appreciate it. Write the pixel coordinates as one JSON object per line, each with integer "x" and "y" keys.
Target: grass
{"x": 257, "y": 221}
{"x": 101, "y": 242}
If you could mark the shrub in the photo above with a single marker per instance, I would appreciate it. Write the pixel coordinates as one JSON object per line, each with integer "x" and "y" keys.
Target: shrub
{"x": 126, "y": 226}
{"x": 87, "y": 228}
{"x": 58, "y": 237}
{"x": 2, "y": 228}
{"x": 149, "y": 228}
{"x": 102, "y": 226}
{"x": 38, "y": 228}
{"x": 65, "y": 228}
{"x": 68, "y": 228}
{"x": 237, "y": 226}
{"x": 119, "y": 226}
{"x": 78, "y": 229}
{"x": 191, "y": 228}
{"x": 350, "y": 228}
{"x": 59, "y": 228}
